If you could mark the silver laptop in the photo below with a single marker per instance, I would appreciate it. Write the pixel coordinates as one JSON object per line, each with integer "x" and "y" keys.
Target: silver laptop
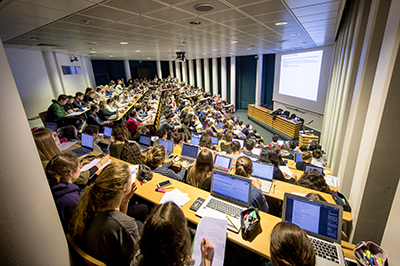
{"x": 230, "y": 195}
{"x": 144, "y": 143}
{"x": 222, "y": 163}
{"x": 195, "y": 140}
{"x": 168, "y": 145}
{"x": 189, "y": 153}
{"x": 265, "y": 173}
{"x": 107, "y": 132}
{"x": 86, "y": 145}
{"x": 322, "y": 222}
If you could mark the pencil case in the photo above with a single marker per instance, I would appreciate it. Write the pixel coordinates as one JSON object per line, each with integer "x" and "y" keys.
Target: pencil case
{"x": 250, "y": 229}
{"x": 369, "y": 252}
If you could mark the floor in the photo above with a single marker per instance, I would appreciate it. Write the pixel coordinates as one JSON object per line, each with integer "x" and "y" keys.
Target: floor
{"x": 260, "y": 130}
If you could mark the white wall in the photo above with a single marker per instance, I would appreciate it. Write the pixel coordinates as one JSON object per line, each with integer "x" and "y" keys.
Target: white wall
{"x": 71, "y": 83}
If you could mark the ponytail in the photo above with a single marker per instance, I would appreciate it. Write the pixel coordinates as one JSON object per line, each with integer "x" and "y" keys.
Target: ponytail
{"x": 59, "y": 168}
{"x": 244, "y": 166}
{"x": 155, "y": 156}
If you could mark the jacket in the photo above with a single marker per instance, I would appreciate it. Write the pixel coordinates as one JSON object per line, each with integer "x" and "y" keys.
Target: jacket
{"x": 66, "y": 197}
{"x": 55, "y": 112}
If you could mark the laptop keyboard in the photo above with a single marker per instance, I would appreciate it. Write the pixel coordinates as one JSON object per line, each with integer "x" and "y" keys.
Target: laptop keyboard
{"x": 224, "y": 208}
{"x": 325, "y": 250}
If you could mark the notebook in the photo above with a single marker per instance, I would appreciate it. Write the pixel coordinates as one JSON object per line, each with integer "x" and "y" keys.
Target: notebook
{"x": 168, "y": 145}
{"x": 319, "y": 169}
{"x": 86, "y": 145}
{"x": 230, "y": 195}
{"x": 223, "y": 163}
{"x": 195, "y": 140}
{"x": 322, "y": 222}
{"x": 214, "y": 140}
{"x": 189, "y": 153}
{"x": 240, "y": 141}
{"x": 297, "y": 157}
{"x": 107, "y": 132}
{"x": 265, "y": 173}
{"x": 144, "y": 143}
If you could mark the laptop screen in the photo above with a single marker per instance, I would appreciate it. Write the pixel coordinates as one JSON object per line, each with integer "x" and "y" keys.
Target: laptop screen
{"x": 195, "y": 140}
{"x": 168, "y": 145}
{"x": 214, "y": 140}
{"x": 221, "y": 125}
{"x": 262, "y": 170}
{"x": 222, "y": 161}
{"x": 189, "y": 150}
{"x": 280, "y": 142}
{"x": 240, "y": 141}
{"x": 107, "y": 132}
{"x": 319, "y": 218}
{"x": 231, "y": 187}
{"x": 297, "y": 157}
{"x": 145, "y": 140}
{"x": 52, "y": 126}
{"x": 87, "y": 141}
{"x": 319, "y": 169}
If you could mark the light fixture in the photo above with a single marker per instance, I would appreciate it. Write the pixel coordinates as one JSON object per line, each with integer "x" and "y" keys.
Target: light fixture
{"x": 215, "y": 50}
{"x": 177, "y": 50}
{"x": 204, "y": 53}
{"x": 248, "y": 49}
{"x": 204, "y": 7}
{"x": 281, "y": 23}
{"x": 111, "y": 55}
{"x": 194, "y": 22}
{"x": 123, "y": 43}
{"x": 35, "y": 39}
{"x": 148, "y": 57}
{"x": 87, "y": 22}
{"x": 137, "y": 51}
{"x": 93, "y": 52}
{"x": 234, "y": 41}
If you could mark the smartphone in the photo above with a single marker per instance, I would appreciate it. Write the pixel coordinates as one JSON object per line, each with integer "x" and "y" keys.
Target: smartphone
{"x": 171, "y": 156}
{"x": 196, "y": 205}
{"x": 164, "y": 183}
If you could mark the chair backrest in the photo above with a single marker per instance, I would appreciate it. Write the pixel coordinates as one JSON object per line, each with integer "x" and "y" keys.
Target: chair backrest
{"x": 89, "y": 260}
{"x": 43, "y": 116}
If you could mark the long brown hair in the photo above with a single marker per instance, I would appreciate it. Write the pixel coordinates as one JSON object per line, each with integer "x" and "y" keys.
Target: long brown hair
{"x": 45, "y": 144}
{"x": 107, "y": 186}
{"x": 155, "y": 156}
{"x": 165, "y": 239}
{"x": 121, "y": 132}
{"x": 205, "y": 141}
{"x": 290, "y": 246}
{"x": 59, "y": 167}
{"x": 244, "y": 166}
{"x": 131, "y": 153}
{"x": 314, "y": 180}
{"x": 202, "y": 170}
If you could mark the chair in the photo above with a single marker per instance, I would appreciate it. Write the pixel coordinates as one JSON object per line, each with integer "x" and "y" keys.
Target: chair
{"x": 43, "y": 117}
{"x": 87, "y": 259}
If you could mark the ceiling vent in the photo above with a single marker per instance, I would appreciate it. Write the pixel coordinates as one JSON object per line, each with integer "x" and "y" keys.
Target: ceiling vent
{"x": 49, "y": 45}
{"x": 204, "y": 7}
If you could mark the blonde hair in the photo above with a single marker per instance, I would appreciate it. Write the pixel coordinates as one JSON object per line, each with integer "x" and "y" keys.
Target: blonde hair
{"x": 107, "y": 186}
{"x": 155, "y": 156}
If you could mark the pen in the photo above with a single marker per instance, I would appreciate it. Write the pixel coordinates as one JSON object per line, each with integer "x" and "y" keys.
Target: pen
{"x": 161, "y": 190}
{"x": 231, "y": 222}
{"x": 274, "y": 188}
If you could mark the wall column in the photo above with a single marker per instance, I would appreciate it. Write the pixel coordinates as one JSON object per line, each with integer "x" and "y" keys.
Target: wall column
{"x": 215, "y": 76}
{"x": 184, "y": 72}
{"x": 206, "y": 75}
{"x": 31, "y": 231}
{"x": 199, "y": 81}
{"x": 223, "y": 78}
{"x": 171, "y": 68}
{"x": 128, "y": 74}
{"x": 191, "y": 72}
{"x": 159, "y": 72}
{"x": 233, "y": 81}
{"x": 178, "y": 71}
{"x": 88, "y": 72}
{"x": 53, "y": 73}
{"x": 259, "y": 78}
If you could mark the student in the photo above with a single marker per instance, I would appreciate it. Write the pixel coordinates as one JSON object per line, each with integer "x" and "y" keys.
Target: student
{"x": 244, "y": 167}
{"x": 236, "y": 149}
{"x": 246, "y": 130}
{"x": 248, "y": 147}
{"x": 93, "y": 130}
{"x": 155, "y": 158}
{"x": 199, "y": 175}
{"x": 70, "y": 133}
{"x": 120, "y": 135}
{"x": 161, "y": 134}
{"x": 100, "y": 224}
{"x": 89, "y": 97}
{"x": 165, "y": 239}
{"x": 205, "y": 141}
{"x": 303, "y": 148}
{"x": 292, "y": 146}
{"x": 68, "y": 106}
{"x": 178, "y": 142}
{"x": 61, "y": 171}
{"x": 285, "y": 152}
{"x": 104, "y": 113}
{"x": 166, "y": 123}
{"x": 278, "y": 152}
{"x": 78, "y": 101}
{"x": 290, "y": 246}
{"x": 131, "y": 153}
{"x": 275, "y": 139}
{"x": 254, "y": 134}
{"x": 267, "y": 155}
{"x": 93, "y": 119}
{"x": 133, "y": 123}
{"x": 313, "y": 179}
{"x": 226, "y": 147}
{"x": 56, "y": 113}
{"x": 317, "y": 159}
{"x": 209, "y": 129}
{"x": 306, "y": 157}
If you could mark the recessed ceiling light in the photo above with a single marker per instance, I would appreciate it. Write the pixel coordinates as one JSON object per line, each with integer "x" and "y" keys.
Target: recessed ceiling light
{"x": 87, "y": 22}
{"x": 137, "y": 51}
{"x": 93, "y": 52}
{"x": 204, "y": 7}
{"x": 194, "y": 22}
{"x": 148, "y": 57}
{"x": 35, "y": 39}
{"x": 204, "y": 53}
{"x": 234, "y": 41}
{"x": 248, "y": 49}
{"x": 123, "y": 43}
{"x": 281, "y": 23}
{"x": 177, "y": 50}
{"x": 230, "y": 53}
{"x": 215, "y": 50}
{"x": 111, "y": 55}
{"x": 295, "y": 34}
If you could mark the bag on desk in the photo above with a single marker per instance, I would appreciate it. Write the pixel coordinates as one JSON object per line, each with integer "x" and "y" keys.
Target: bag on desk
{"x": 372, "y": 251}
{"x": 250, "y": 223}
{"x": 341, "y": 200}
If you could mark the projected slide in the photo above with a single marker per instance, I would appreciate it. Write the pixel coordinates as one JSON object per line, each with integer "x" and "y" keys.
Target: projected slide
{"x": 300, "y": 74}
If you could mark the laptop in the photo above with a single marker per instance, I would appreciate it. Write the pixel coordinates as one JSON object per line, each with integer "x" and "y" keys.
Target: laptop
{"x": 219, "y": 126}
{"x": 230, "y": 195}
{"x": 223, "y": 163}
{"x": 214, "y": 140}
{"x": 195, "y": 140}
{"x": 168, "y": 145}
{"x": 319, "y": 169}
{"x": 297, "y": 157}
{"x": 280, "y": 142}
{"x": 107, "y": 132}
{"x": 144, "y": 143}
{"x": 240, "y": 141}
{"x": 189, "y": 153}
{"x": 265, "y": 173}
{"x": 256, "y": 151}
{"x": 322, "y": 222}
{"x": 52, "y": 126}
{"x": 86, "y": 145}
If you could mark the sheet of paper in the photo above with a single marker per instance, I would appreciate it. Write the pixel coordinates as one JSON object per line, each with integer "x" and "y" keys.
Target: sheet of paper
{"x": 93, "y": 163}
{"x": 134, "y": 170}
{"x": 176, "y": 196}
{"x": 215, "y": 230}
{"x": 66, "y": 145}
{"x": 286, "y": 170}
{"x": 332, "y": 181}
{"x": 74, "y": 113}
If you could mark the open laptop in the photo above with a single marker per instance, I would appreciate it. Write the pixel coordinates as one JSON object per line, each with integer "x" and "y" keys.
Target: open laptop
{"x": 240, "y": 141}
{"x": 189, "y": 153}
{"x": 219, "y": 126}
{"x": 322, "y": 222}
{"x": 319, "y": 169}
{"x": 223, "y": 163}
{"x": 195, "y": 140}
{"x": 168, "y": 145}
{"x": 86, "y": 145}
{"x": 297, "y": 157}
{"x": 265, "y": 173}
{"x": 280, "y": 142}
{"x": 107, "y": 132}
{"x": 144, "y": 143}
{"x": 214, "y": 140}
{"x": 230, "y": 195}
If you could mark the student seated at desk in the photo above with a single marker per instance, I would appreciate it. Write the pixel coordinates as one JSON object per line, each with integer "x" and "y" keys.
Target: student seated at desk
{"x": 285, "y": 152}
{"x": 292, "y": 146}
{"x": 275, "y": 139}
{"x": 131, "y": 153}
{"x": 120, "y": 134}
{"x": 89, "y": 97}
{"x": 226, "y": 146}
{"x": 235, "y": 149}
{"x": 104, "y": 113}
{"x": 93, "y": 130}
{"x": 267, "y": 155}
{"x": 100, "y": 225}
{"x": 93, "y": 119}
{"x": 206, "y": 142}
{"x": 69, "y": 106}
{"x": 161, "y": 134}
{"x": 70, "y": 133}
{"x": 317, "y": 159}
{"x": 133, "y": 123}
{"x": 278, "y": 152}
{"x": 248, "y": 147}
{"x": 313, "y": 179}
{"x": 178, "y": 142}
{"x": 209, "y": 129}
{"x": 199, "y": 175}
{"x": 155, "y": 158}
{"x": 57, "y": 114}
{"x": 306, "y": 157}
{"x": 78, "y": 101}
{"x": 290, "y": 246}
{"x": 244, "y": 167}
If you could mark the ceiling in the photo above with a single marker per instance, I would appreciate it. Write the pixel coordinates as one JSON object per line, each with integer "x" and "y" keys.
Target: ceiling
{"x": 157, "y": 29}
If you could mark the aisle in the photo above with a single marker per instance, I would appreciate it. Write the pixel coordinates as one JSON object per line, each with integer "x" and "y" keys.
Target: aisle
{"x": 262, "y": 131}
